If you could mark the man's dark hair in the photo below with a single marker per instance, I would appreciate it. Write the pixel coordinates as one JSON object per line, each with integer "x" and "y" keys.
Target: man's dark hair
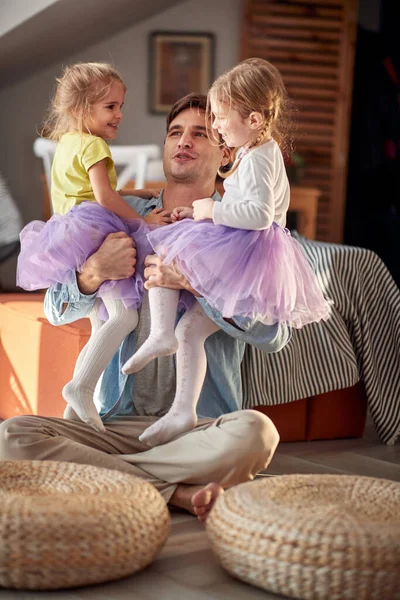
{"x": 193, "y": 100}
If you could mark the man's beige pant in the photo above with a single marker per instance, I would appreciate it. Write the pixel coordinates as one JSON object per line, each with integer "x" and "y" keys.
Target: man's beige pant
{"x": 228, "y": 450}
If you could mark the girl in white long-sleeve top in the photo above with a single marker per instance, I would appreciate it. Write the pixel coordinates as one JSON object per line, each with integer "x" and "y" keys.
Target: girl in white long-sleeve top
{"x": 236, "y": 253}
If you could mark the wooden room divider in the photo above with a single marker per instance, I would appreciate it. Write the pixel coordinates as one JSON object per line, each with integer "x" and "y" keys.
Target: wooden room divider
{"x": 313, "y": 45}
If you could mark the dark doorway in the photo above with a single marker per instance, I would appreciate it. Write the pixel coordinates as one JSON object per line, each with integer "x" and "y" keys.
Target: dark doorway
{"x": 373, "y": 193}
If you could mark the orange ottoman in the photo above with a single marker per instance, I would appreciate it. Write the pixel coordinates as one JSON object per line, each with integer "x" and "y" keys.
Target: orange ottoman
{"x": 330, "y": 416}
{"x": 36, "y": 358}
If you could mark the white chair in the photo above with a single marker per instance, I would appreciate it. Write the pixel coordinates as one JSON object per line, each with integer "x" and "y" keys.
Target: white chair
{"x": 155, "y": 170}
{"x": 45, "y": 150}
{"x": 134, "y": 160}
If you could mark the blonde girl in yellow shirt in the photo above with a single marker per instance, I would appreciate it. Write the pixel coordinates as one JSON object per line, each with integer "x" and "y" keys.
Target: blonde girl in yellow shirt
{"x": 86, "y": 110}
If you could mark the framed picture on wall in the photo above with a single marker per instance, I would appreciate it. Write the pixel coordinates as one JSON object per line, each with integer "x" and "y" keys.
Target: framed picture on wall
{"x": 180, "y": 63}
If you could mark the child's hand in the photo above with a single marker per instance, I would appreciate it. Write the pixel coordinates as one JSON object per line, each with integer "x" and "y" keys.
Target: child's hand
{"x": 158, "y": 216}
{"x": 203, "y": 209}
{"x": 145, "y": 194}
{"x": 182, "y": 212}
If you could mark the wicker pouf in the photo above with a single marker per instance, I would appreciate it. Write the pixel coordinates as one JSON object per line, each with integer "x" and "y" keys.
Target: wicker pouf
{"x": 65, "y": 525}
{"x": 319, "y": 537}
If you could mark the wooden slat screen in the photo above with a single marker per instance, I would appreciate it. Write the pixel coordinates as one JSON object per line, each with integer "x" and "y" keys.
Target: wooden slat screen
{"x": 313, "y": 45}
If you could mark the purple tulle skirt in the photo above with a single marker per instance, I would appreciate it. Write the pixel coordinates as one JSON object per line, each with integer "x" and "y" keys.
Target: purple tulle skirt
{"x": 51, "y": 252}
{"x": 258, "y": 274}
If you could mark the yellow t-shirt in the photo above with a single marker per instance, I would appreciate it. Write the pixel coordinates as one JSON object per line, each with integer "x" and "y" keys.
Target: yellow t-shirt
{"x": 75, "y": 154}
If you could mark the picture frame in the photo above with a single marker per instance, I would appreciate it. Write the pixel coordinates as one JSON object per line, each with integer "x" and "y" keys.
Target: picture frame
{"x": 180, "y": 63}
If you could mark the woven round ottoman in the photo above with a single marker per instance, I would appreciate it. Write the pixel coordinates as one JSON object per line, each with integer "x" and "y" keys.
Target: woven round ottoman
{"x": 64, "y": 525}
{"x": 313, "y": 537}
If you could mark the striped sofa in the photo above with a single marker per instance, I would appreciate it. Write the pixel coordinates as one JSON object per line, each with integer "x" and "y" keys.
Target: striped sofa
{"x": 351, "y": 358}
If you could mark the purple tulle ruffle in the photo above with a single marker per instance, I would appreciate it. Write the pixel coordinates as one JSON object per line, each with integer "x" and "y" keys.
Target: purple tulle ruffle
{"x": 258, "y": 274}
{"x": 52, "y": 252}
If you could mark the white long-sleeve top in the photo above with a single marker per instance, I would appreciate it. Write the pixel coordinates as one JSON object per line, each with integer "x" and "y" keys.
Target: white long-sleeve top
{"x": 257, "y": 193}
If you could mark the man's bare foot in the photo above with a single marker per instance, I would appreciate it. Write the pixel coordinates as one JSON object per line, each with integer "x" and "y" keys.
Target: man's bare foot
{"x": 204, "y": 500}
{"x": 197, "y": 499}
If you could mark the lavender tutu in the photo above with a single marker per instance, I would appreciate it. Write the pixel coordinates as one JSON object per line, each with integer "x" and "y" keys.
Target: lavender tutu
{"x": 51, "y": 252}
{"x": 258, "y": 274}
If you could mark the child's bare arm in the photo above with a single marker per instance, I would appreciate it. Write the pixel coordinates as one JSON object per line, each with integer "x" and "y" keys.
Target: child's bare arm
{"x": 106, "y": 196}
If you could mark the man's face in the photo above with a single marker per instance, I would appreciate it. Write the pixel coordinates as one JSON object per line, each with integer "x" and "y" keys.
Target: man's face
{"x": 188, "y": 154}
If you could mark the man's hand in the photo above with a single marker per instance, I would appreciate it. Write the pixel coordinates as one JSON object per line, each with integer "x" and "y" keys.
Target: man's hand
{"x": 182, "y": 212}
{"x": 114, "y": 260}
{"x": 159, "y": 275}
{"x": 203, "y": 209}
{"x": 158, "y": 216}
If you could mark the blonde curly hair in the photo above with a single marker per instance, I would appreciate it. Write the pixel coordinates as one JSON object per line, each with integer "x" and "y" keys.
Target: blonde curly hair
{"x": 80, "y": 86}
{"x": 255, "y": 85}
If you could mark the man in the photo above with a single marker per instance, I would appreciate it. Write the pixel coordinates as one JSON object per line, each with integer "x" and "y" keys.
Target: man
{"x": 228, "y": 446}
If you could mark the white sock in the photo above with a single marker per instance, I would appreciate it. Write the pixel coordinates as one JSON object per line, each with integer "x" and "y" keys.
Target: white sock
{"x": 97, "y": 354}
{"x": 95, "y": 323}
{"x": 162, "y": 341}
{"x": 191, "y": 366}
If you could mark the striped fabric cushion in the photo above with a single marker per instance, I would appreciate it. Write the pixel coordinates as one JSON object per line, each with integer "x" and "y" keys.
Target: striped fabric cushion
{"x": 359, "y": 342}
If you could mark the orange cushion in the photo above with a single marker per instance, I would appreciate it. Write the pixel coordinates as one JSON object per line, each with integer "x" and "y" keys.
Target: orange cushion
{"x": 36, "y": 358}
{"x": 289, "y": 419}
{"x": 337, "y": 414}
{"x": 330, "y": 416}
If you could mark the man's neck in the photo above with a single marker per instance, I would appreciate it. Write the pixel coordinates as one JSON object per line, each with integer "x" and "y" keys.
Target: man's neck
{"x": 183, "y": 194}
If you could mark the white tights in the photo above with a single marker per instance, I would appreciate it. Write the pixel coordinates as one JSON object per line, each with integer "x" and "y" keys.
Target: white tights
{"x": 188, "y": 341}
{"x": 103, "y": 343}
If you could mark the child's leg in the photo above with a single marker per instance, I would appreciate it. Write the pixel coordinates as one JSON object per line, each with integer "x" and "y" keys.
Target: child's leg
{"x": 99, "y": 351}
{"x": 95, "y": 323}
{"x": 163, "y": 304}
{"x": 191, "y": 366}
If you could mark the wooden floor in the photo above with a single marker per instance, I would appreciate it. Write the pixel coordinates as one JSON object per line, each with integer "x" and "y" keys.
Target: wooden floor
{"x": 186, "y": 570}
